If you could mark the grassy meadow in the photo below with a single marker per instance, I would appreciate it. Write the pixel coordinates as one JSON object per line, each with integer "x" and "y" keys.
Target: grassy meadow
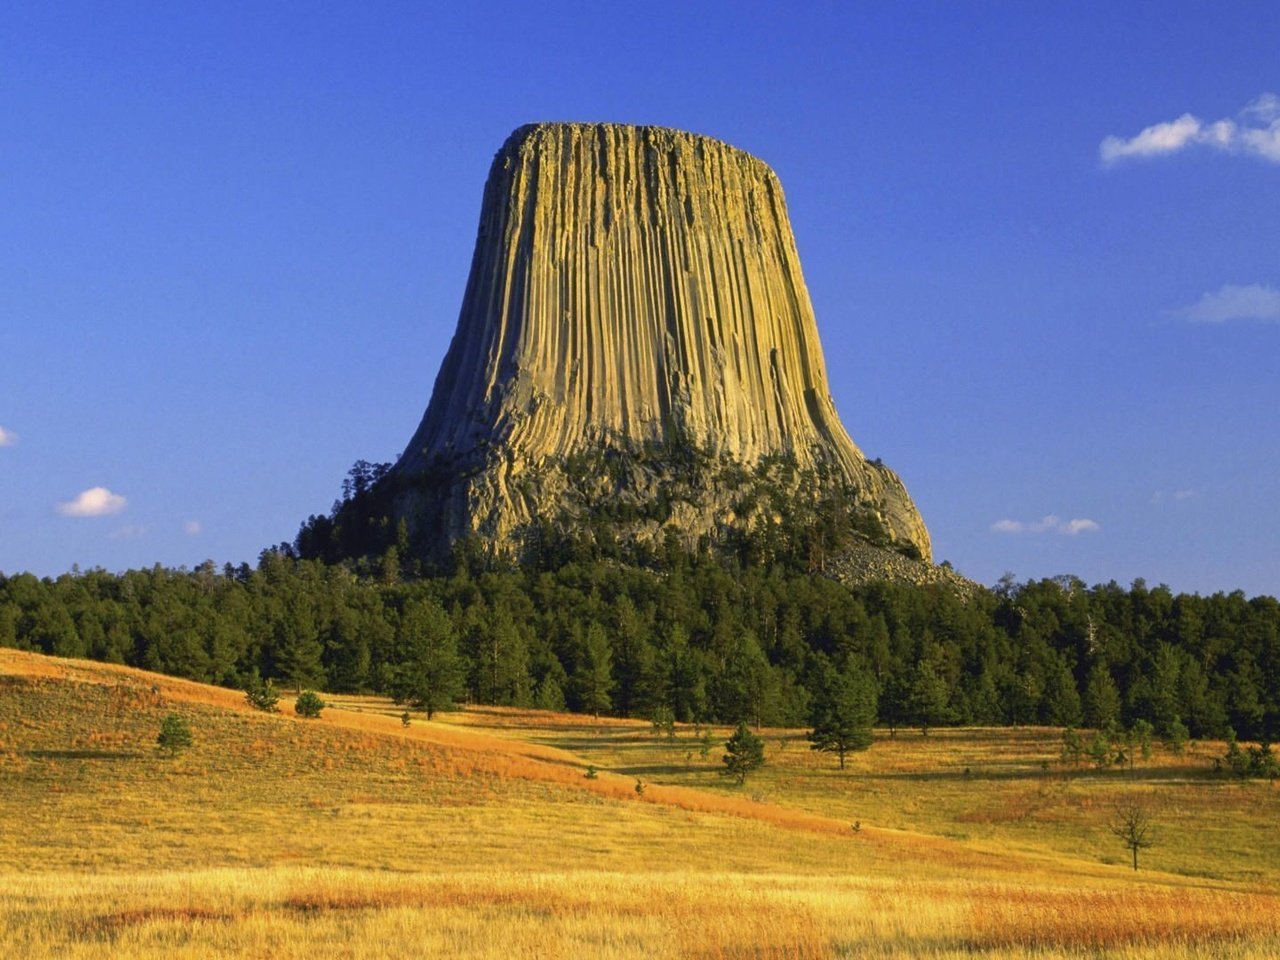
{"x": 480, "y": 835}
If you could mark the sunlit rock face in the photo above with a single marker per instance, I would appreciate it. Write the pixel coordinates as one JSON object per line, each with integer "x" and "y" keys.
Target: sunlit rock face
{"x": 635, "y": 328}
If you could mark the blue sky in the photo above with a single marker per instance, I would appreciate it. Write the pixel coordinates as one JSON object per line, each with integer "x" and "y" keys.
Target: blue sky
{"x": 1039, "y": 239}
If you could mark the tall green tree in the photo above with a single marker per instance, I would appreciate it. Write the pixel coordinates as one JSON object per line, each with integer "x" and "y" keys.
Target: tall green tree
{"x": 746, "y": 687}
{"x": 593, "y": 678}
{"x": 1101, "y": 699}
{"x": 428, "y": 674}
{"x": 930, "y": 696}
{"x": 844, "y": 711}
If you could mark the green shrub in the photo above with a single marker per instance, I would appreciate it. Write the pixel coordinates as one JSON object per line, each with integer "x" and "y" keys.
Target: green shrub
{"x": 174, "y": 736}
{"x": 309, "y": 704}
{"x": 262, "y": 696}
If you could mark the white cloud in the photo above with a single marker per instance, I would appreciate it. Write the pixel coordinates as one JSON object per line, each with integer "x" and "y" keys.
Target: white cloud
{"x": 1255, "y": 301}
{"x": 7, "y": 437}
{"x": 1072, "y": 527}
{"x": 1256, "y": 133}
{"x": 1183, "y": 494}
{"x": 192, "y": 528}
{"x": 94, "y": 502}
{"x": 1047, "y": 524}
{"x": 1050, "y": 522}
{"x": 1265, "y": 108}
{"x": 128, "y": 532}
{"x": 1154, "y": 140}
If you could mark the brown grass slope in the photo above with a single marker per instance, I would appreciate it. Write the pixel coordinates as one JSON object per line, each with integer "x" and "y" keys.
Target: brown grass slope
{"x": 480, "y": 836}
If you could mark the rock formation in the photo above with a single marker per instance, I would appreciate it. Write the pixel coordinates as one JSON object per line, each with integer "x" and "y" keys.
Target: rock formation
{"x": 635, "y": 330}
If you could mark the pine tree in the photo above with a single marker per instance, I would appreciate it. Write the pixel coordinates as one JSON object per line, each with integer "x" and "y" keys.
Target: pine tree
{"x": 1101, "y": 699}
{"x": 427, "y": 673}
{"x": 593, "y": 678}
{"x": 174, "y": 736}
{"x": 744, "y": 752}
{"x": 930, "y": 697}
{"x": 844, "y": 713}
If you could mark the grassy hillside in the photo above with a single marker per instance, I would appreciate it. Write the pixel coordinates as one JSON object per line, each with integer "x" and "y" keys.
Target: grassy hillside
{"x": 480, "y": 835}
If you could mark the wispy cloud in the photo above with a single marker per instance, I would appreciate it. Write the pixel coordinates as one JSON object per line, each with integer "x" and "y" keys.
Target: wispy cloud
{"x": 7, "y": 437}
{"x": 1178, "y": 495}
{"x": 1254, "y": 132}
{"x": 1255, "y": 301}
{"x": 128, "y": 532}
{"x": 192, "y": 528}
{"x": 1048, "y": 524}
{"x": 94, "y": 502}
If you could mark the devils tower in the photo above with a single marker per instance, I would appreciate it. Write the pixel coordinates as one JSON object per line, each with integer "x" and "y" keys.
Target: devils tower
{"x": 636, "y": 352}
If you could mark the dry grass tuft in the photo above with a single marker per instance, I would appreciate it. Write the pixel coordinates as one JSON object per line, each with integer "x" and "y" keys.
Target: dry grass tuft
{"x": 1108, "y": 919}
{"x": 110, "y": 924}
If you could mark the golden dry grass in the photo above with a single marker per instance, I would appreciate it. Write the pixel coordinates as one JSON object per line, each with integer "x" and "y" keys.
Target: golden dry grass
{"x": 480, "y": 836}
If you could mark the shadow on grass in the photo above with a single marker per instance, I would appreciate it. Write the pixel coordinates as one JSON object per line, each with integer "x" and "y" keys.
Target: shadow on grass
{"x": 659, "y": 770}
{"x": 85, "y": 754}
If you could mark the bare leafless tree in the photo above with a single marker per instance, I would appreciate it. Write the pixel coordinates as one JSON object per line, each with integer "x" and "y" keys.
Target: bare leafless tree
{"x": 1131, "y": 824}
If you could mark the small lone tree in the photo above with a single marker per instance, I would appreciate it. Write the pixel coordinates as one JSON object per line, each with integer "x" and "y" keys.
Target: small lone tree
{"x": 1131, "y": 825}
{"x": 174, "y": 736}
{"x": 308, "y": 704}
{"x": 262, "y": 696}
{"x": 744, "y": 752}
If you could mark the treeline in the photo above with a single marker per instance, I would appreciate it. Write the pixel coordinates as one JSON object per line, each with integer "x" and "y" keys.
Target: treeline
{"x": 702, "y": 639}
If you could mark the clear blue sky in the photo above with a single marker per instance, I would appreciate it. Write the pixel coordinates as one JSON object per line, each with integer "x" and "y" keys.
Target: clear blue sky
{"x": 233, "y": 243}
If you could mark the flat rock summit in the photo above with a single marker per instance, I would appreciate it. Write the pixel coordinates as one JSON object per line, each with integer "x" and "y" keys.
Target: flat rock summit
{"x": 636, "y": 351}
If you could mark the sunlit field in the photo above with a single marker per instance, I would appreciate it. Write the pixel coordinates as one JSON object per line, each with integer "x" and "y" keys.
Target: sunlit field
{"x": 481, "y": 835}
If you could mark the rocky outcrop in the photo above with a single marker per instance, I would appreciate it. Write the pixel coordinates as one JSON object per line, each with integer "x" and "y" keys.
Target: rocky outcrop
{"x": 635, "y": 297}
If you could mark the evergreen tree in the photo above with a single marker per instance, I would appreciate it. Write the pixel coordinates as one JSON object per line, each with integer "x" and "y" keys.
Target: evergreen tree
{"x": 298, "y": 641}
{"x": 549, "y": 694}
{"x": 632, "y": 658}
{"x": 746, "y": 688}
{"x": 930, "y": 697}
{"x": 309, "y": 705}
{"x": 427, "y": 673}
{"x": 744, "y": 752}
{"x": 175, "y": 735}
{"x": 593, "y": 678}
{"x": 844, "y": 711}
{"x": 1101, "y": 699}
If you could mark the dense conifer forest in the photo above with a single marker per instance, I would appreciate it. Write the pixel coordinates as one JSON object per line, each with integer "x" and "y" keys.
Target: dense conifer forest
{"x": 697, "y": 637}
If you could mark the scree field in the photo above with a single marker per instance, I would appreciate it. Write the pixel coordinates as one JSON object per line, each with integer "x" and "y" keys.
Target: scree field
{"x": 504, "y": 833}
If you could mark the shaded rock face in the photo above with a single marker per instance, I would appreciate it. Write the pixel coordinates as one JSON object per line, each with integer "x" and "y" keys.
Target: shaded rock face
{"x": 635, "y": 328}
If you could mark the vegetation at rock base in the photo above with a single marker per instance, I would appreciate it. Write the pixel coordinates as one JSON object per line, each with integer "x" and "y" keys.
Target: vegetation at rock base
{"x": 720, "y": 633}
{"x": 699, "y": 637}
